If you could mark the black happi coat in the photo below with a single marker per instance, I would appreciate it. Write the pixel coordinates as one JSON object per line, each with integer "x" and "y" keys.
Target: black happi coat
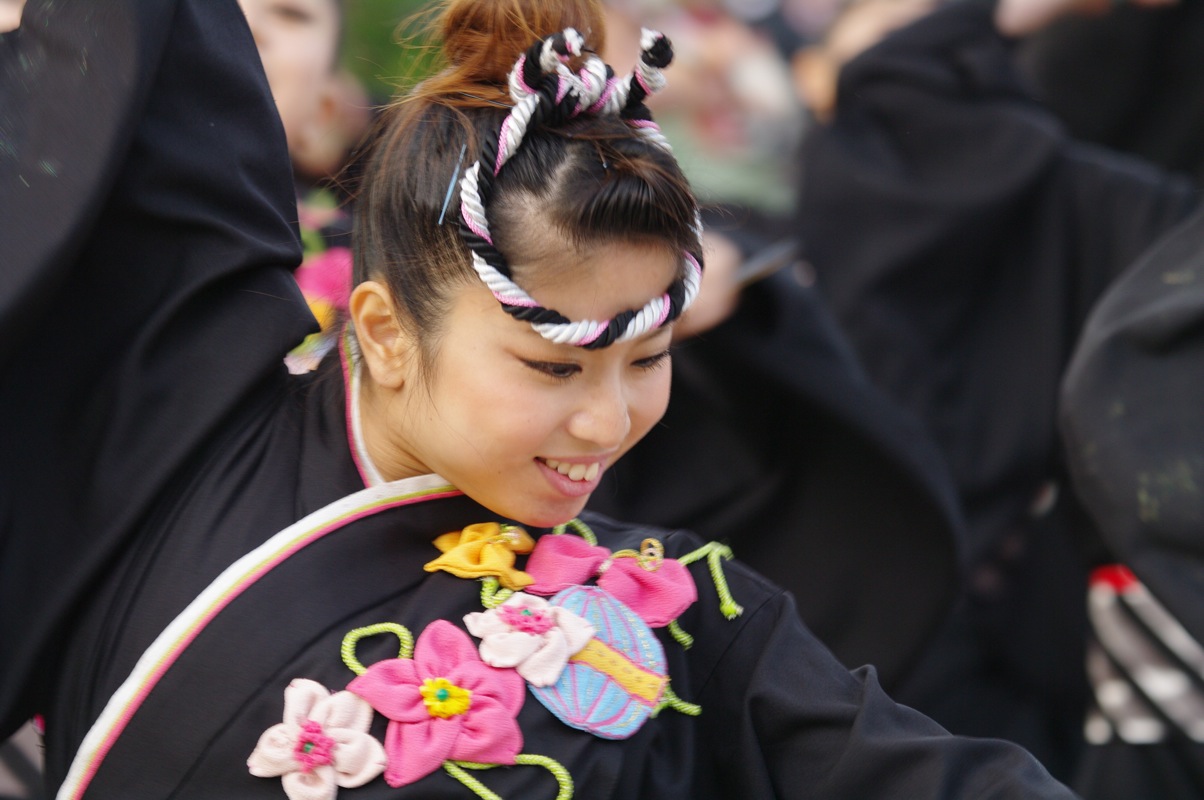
{"x": 1131, "y": 421}
{"x": 157, "y": 440}
{"x": 961, "y": 237}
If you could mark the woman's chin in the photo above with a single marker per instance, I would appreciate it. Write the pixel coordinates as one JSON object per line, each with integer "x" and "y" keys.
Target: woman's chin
{"x": 548, "y": 517}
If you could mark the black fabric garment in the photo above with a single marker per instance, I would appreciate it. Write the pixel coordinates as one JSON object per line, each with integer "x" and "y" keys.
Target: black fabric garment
{"x": 961, "y": 237}
{"x": 160, "y": 438}
{"x": 1130, "y": 419}
{"x": 1131, "y": 80}
{"x": 149, "y": 232}
{"x": 776, "y": 442}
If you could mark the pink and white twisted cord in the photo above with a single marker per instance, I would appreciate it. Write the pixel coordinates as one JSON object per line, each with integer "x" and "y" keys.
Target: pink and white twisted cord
{"x": 593, "y": 90}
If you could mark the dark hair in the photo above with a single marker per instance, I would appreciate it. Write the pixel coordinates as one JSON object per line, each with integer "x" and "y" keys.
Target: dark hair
{"x": 595, "y": 180}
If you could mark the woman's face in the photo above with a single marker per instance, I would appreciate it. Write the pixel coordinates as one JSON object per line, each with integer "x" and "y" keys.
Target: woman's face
{"x": 298, "y": 44}
{"x": 524, "y": 426}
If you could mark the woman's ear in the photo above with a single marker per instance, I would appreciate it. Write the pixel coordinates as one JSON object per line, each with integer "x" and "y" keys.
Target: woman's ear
{"x": 386, "y": 347}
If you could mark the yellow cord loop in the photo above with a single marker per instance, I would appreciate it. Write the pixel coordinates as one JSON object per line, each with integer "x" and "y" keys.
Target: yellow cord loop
{"x": 650, "y": 556}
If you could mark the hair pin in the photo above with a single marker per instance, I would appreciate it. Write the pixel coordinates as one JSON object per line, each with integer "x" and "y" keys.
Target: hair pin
{"x": 452, "y": 183}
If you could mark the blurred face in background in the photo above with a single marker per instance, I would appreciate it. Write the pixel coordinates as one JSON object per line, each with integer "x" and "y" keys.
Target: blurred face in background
{"x": 10, "y": 14}
{"x": 298, "y": 42}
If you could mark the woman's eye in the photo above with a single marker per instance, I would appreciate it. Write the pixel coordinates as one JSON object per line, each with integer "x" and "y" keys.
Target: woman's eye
{"x": 652, "y": 362}
{"x": 291, "y": 13}
{"x": 554, "y": 369}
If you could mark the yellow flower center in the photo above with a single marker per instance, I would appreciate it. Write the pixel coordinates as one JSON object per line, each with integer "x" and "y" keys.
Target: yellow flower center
{"x": 444, "y": 699}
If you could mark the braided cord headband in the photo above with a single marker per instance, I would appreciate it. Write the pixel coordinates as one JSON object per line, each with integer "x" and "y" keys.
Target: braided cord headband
{"x": 546, "y": 91}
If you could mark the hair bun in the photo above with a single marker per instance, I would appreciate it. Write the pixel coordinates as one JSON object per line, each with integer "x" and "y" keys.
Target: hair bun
{"x": 482, "y": 39}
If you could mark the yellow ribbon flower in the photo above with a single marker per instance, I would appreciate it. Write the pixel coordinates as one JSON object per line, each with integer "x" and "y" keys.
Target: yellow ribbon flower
{"x": 484, "y": 550}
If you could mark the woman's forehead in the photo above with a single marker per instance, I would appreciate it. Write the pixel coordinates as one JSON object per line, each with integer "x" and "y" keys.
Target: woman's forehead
{"x": 597, "y": 282}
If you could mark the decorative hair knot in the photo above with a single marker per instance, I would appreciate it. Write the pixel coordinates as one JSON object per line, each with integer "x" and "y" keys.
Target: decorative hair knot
{"x": 546, "y": 91}
{"x": 657, "y": 50}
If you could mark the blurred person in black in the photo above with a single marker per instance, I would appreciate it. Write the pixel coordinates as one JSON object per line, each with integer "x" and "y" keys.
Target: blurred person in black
{"x": 961, "y": 235}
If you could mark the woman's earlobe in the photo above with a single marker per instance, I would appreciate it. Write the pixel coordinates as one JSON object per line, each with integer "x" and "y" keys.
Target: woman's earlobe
{"x": 384, "y": 343}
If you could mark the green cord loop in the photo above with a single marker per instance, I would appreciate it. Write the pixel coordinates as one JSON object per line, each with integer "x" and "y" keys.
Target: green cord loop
{"x": 492, "y": 595}
{"x": 563, "y": 779}
{"x": 347, "y": 650}
{"x": 579, "y": 528}
{"x": 715, "y": 553}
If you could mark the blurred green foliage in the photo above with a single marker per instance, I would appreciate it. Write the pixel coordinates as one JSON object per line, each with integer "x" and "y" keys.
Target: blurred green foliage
{"x": 379, "y": 51}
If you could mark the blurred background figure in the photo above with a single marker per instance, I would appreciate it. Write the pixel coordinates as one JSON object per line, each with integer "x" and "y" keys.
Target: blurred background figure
{"x": 729, "y": 108}
{"x": 1130, "y": 417}
{"x": 961, "y": 236}
{"x": 326, "y": 113}
{"x": 10, "y": 14}
{"x": 1131, "y": 79}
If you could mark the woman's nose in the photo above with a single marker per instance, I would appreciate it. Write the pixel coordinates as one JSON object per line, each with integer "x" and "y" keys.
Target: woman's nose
{"x": 603, "y": 417}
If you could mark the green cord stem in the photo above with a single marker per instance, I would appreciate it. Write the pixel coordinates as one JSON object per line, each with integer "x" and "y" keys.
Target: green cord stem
{"x": 671, "y": 700}
{"x": 492, "y": 595}
{"x": 680, "y": 636}
{"x": 563, "y": 779}
{"x": 347, "y": 650}
{"x": 579, "y": 528}
{"x": 715, "y": 553}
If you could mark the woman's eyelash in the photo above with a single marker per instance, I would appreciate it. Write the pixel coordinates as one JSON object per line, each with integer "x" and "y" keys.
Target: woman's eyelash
{"x": 562, "y": 370}
{"x": 652, "y": 362}
{"x": 554, "y": 369}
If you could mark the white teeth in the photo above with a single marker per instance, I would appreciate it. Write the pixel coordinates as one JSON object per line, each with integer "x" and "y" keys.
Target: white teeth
{"x": 574, "y": 472}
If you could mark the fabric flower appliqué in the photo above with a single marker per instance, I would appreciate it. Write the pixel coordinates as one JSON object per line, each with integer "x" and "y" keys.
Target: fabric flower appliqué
{"x": 444, "y": 704}
{"x": 322, "y": 744}
{"x": 486, "y": 549}
{"x": 531, "y": 636}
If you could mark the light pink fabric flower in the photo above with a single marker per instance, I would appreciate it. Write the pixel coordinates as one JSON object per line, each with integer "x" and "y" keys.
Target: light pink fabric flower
{"x": 322, "y": 744}
{"x": 443, "y": 704}
{"x": 531, "y": 636}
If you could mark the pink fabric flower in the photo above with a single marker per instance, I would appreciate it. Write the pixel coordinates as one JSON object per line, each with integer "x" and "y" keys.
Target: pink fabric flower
{"x": 443, "y": 704}
{"x": 327, "y": 277}
{"x": 558, "y": 562}
{"x": 322, "y": 744}
{"x": 659, "y": 596}
{"x": 658, "y": 590}
{"x": 530, "y": 635}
